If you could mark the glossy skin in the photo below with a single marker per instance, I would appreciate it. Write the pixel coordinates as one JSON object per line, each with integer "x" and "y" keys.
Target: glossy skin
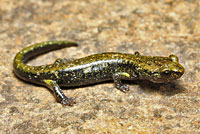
{"x": 93, "y": 69}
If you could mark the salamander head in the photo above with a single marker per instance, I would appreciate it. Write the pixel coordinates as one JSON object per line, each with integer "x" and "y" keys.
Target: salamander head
{"x": 163, "y": 69}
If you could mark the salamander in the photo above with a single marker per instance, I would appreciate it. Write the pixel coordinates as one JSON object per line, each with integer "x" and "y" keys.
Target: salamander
{"x": 93, "y": 69}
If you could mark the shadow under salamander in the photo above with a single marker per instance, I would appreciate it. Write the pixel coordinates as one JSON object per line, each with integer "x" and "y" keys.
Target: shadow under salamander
{"x": 167, "y": 89}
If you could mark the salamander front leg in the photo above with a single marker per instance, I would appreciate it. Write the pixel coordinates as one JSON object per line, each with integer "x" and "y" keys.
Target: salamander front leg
{"x": 117, "y": 77}
{"x": 59, "y": 93}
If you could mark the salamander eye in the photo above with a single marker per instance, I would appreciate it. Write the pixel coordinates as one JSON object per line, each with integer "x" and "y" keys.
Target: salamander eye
{"x": 166, "y": 72}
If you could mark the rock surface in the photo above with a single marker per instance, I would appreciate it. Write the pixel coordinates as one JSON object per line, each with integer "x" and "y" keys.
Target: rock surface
{"x": 152, "y": 28}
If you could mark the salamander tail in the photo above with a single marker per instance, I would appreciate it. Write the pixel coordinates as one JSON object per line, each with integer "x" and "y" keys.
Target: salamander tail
{"x": 19, "y": 63}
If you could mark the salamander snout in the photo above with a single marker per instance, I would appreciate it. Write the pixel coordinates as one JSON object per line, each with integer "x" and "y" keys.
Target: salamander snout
{"x": 171, "y": 73}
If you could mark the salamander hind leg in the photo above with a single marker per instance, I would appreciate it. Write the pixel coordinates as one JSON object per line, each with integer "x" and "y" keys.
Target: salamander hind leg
{"x": 117, "y": 77}
{"x": 59, "y": 60}
{"x": 59, "y": 93}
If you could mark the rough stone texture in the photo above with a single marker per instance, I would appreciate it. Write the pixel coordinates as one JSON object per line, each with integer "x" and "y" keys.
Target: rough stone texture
{"x": 156, "y": 27}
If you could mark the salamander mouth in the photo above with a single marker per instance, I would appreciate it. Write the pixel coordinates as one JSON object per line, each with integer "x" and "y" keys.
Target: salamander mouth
{"x": 160, "y": 80}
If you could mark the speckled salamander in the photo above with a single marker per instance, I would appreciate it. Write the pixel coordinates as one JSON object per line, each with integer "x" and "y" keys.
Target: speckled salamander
{"x": 93, "y": 69}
